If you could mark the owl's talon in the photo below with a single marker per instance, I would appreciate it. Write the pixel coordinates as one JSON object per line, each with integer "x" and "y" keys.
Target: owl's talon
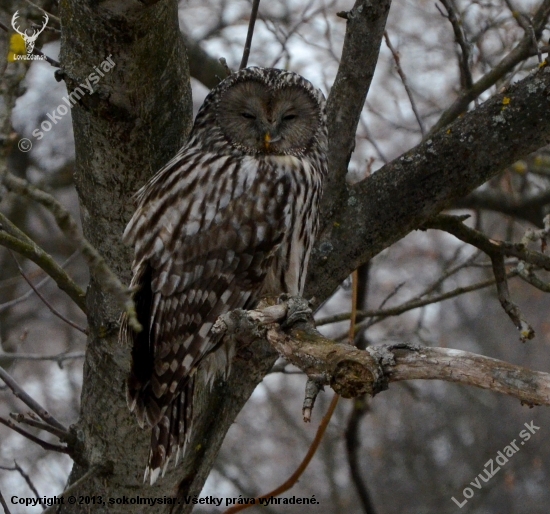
{"x": 298, "y": 310}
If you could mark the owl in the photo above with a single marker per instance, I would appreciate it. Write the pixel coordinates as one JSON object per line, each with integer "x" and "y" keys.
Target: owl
{"x": 230, "y": 219}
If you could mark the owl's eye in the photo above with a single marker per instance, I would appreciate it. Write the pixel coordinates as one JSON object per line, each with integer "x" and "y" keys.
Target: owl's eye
{"x": 248, "y": 116}
{"x": 289, "y": 117}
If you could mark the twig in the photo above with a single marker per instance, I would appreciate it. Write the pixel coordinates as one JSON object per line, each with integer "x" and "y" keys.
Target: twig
{"x": 391, "y": 295}
{"x": 248, "y": 44}
{"x": 20, "y": 418}
{"x": 52, "y": 309}
{"x": 47, "y": 446}
{"x": 522, "y": 50}
{"x": 525, "y": 272}
{"x": 360, "y": 408}
{"x": 14, "y": 239}
{"x": 496, "y": 250}
{"x": 513, "y": 311}
{"x": 29, "y": 402}
{"x": 49, "y": 60}
{"x": 303, "y": 465}
{"x": 313, "y": 387}
{"x": 38, "y": 357}
{"x": 460, "y": 38}
{"x": 102, "y": 273}
{"x": 93, "y": 471}
{"x": 411, "y": 304}
{"x": 4, "y": 504}
{"x": 525, "y": 23}
{"x": 25, "y": 296}
{"x": 26, "y": 477}
{"x": 405, "y": 83}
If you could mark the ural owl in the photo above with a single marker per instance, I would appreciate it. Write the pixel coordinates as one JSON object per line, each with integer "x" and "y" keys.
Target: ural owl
{"x": 231, "y": 218}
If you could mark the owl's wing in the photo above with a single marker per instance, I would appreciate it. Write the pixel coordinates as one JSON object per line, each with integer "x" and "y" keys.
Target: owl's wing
{"x": 204, "y": 235}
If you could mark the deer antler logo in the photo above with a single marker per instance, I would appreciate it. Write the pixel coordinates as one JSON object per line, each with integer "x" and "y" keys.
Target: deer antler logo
{"x": 29, "y": 39}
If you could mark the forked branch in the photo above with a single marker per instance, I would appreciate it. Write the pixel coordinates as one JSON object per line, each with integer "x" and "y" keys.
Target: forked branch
{"x": 352, "y": 372}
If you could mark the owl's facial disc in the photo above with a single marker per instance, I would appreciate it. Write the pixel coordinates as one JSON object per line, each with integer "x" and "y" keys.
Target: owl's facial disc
{"x": 260, "y": 120}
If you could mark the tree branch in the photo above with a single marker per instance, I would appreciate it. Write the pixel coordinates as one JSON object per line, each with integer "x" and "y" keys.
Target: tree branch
{"x": 429, "y": 178}
{"x": 14, "y": 239}
{"x": 365, "y": 27}
{"x": 8, "y": 305}
{"x": 352, "y": 372}
{"x": 52, "y": 309}
{"x": 109, "y": 282}
{"x": 4, "y": 504}
{"x": 29, "y": 402}
{"x": 529, "y": 208}
{"x": 47, "y": 446}
{"x": 521, "y": 52}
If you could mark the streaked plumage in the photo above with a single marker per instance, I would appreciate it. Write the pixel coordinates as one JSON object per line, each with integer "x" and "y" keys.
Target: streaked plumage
{"x": 230, "y": 218}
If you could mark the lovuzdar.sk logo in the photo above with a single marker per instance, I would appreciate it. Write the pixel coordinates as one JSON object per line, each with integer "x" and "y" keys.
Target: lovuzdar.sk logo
{"x": 22, "y": 43}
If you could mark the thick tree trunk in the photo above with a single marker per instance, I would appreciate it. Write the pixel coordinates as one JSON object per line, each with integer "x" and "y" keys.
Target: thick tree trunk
{"x": 136, "y": 119}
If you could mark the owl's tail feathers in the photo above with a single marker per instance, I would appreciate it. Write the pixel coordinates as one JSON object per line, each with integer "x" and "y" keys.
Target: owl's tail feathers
{"x": 172, "y": 432}
{"x": 142, "y": 402}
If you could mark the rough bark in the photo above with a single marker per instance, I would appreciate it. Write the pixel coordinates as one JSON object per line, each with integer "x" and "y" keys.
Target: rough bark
{"x": 135, "y": 120}
{"x": 403, "y": 194}
{"x": 352, "y": 372}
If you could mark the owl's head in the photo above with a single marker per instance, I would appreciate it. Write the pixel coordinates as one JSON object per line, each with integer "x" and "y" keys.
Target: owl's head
{"x": 268, "y": 111}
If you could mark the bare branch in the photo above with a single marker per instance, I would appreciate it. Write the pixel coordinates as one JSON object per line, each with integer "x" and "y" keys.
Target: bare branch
{"x": 364, "y": 29}
{"x": 202, "y": 66}
{"x": 412, "y": 304}
{"x": 513, "y": 311}
{"x": 250, "y": 33}
{"x": 8, "y": 305}
{"x": 289, "y": 483}
{"x": 525, "y": 23}
{"x": 59, "y": 358}
{"x": 496, "y": 250}
{"x": 29, "y": 402}
{"x": 14, "y": 239}
{"x": 452, "y": 163}
{"x": 4, "y": 504}
{"x": 517, "y": 55}
{"x": 525, "y": 271}
{"x": 92, "y": 472}
{"x": 52, "y": 309}
{"x": 530, "y": 208}
{"x": 460, "y": 38}
{"x": 105, "y": 276}
{"x": 21, "y": 418}
{"x": 25, "y": 476}
{"x": 453, "y": 225}
{"x": 47, "y": 446}
{"x": 404, "y": 82}
{"x": 352, "y": 372}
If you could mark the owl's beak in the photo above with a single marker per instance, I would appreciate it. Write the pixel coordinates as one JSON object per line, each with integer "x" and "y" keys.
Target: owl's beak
{"x": 268, "y": 140}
